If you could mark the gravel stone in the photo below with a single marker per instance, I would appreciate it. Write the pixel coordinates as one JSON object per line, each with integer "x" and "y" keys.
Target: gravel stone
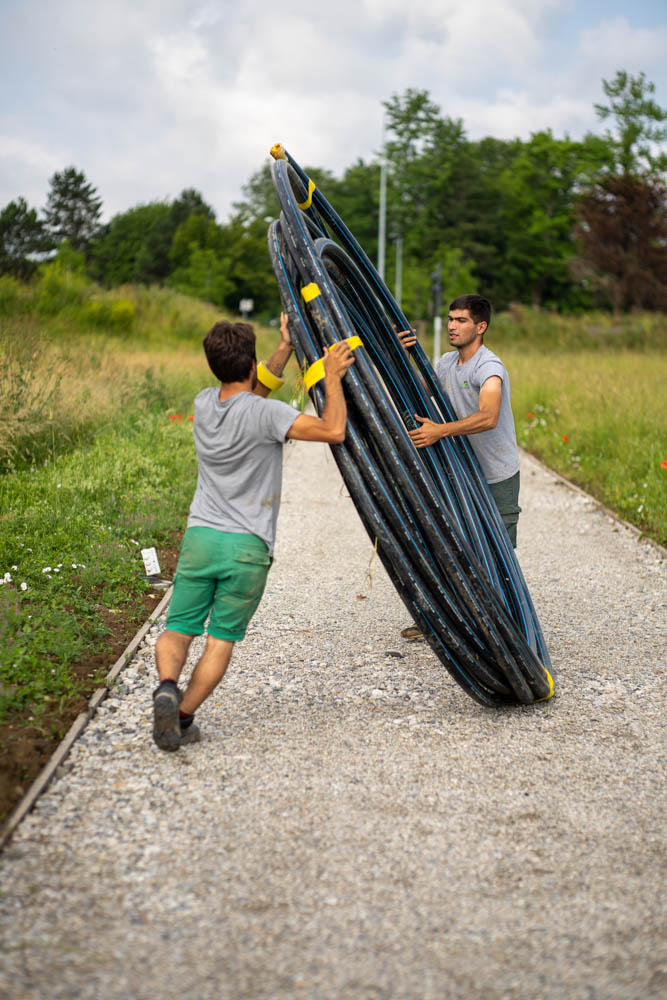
{"x": 353, "y": 825}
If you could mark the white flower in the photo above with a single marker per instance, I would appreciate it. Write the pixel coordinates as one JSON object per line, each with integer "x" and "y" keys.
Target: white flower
{"x": 74, "y": 566}
{"x": 7, "y": 578}
{"x": 14, "y": 567}
{"x": 47, "y": 569}
{"x": 24, "y": 586}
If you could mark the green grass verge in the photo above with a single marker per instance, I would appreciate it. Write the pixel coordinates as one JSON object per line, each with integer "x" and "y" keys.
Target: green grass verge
{"x": 598, "y": 418}
{"x": 71, "y": 533}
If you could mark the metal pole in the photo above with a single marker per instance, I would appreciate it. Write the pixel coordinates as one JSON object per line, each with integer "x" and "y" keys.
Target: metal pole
{"x": 399, "y": 271}
{"x": 382, "y": 225}
{"x": 436, "y": 279}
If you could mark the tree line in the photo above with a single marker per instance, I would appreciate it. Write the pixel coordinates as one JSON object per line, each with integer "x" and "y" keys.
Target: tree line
{"x": 551, "y": 222}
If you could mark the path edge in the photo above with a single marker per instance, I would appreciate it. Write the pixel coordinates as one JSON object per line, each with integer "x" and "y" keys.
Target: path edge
{"x": 45, "y": 776}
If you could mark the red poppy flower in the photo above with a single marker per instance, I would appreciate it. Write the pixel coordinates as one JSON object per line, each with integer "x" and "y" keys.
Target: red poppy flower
{"x": 664, "y": 463}
{"x": 191, "y": 418}
{"x": 565, "y": 438}
{"x": 530, "y": 416}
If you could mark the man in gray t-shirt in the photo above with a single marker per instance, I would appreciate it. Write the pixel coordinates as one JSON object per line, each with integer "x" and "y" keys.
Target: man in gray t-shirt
{"x": 478, "y": 386}
{"x": 228, "y": 544}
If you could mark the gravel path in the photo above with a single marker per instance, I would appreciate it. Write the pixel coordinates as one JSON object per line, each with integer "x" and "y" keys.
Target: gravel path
{"x": 353, "y": 825}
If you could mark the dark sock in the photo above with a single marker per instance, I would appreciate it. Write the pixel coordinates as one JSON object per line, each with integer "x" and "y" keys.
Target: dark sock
{"x": 162, "y": 684}
{"x": 186, "y": 719}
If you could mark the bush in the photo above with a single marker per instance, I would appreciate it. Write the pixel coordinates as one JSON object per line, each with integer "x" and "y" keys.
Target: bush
{"x": 14, "y": 296}
{"x": 59, "y": 289}
{"x": 122, "y": 314}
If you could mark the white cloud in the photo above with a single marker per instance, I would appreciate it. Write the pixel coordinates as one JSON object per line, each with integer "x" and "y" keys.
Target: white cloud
{"x": 148, "y": 98}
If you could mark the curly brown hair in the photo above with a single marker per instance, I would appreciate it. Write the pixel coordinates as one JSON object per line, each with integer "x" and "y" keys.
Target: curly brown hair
{"x": 230, "y": 350}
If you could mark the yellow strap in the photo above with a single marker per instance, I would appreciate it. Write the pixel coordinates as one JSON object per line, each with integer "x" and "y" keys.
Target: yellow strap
{"x": 310, "y": 292}
{"x": 315, "y": 373}
{"x": 307, "y": 203}
{"x": 267, "y": 378}
{"x": 278, "y": 151}
{"x": 551, "y": 686}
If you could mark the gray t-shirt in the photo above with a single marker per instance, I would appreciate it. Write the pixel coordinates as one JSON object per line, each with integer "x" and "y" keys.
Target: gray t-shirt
{"x": 239, "y": 446}
{"x": 496, "y": 449}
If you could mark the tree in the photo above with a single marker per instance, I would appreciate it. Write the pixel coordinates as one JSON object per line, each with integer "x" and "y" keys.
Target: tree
{"x": 538, "y": 194}
{"x": 121, "y": 253}
{"x": 638, "y": 121}
{"x": 622, "y": 234}
{"x": 622, "y": 219}
{"x": 73, "y": 209}
{"x": 21, "y": 235}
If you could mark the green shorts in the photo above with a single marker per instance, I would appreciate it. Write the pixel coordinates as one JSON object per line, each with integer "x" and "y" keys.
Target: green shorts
{"x": 222, "y": 573}
{"x": 506, "y": 495}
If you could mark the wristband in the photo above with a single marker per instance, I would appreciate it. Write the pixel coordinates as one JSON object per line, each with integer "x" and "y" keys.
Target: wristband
{"x": 267, "y": 378}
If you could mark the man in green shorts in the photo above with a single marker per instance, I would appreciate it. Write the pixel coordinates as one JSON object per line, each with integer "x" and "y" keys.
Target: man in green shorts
{"x": 228, "y": 545}
{"x": 478, "y": 386}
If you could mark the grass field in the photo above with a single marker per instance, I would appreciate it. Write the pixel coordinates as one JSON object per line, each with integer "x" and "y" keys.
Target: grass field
{"x": 97, "y": 461}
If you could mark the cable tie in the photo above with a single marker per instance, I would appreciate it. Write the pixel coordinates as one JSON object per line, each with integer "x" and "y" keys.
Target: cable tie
{"x": 307, "y": 203}
{"x": 310, "y": 292}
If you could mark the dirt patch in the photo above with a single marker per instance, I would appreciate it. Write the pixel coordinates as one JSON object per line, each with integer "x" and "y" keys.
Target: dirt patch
{"x": 25, "y": 745}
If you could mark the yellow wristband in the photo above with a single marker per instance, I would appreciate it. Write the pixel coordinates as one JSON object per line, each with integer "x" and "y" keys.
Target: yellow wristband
{"x": 267, "y": 378}
{"x": 315, "y": 373}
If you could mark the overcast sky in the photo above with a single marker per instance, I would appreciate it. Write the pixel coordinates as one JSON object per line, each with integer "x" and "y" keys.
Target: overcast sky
{"x": 148, "y": 97}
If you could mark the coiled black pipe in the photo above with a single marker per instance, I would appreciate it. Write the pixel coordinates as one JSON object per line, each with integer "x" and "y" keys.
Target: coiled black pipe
{"x": 437, "y": 528}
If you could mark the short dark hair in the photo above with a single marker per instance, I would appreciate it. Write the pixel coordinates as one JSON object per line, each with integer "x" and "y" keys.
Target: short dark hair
{"x": 478, "y": 307}
{"x": 230, "y": 350}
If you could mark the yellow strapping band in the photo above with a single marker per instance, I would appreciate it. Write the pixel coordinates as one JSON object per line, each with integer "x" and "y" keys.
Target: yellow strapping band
{"x": 307, "y": 203}
{"x": 551, "y": 686}
{"x": 267, "y": 378}
{"x": 310, "y": 292}
{"x": 315, "y": 373}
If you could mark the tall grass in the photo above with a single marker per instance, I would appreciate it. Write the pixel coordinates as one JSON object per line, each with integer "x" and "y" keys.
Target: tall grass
{"x": 72, "y": 358}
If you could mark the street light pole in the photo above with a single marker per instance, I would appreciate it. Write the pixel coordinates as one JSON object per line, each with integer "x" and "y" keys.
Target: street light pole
{"x": 436, "y": 285}
{"x": 398, "y": 294}
{"x": 382, "y": 224}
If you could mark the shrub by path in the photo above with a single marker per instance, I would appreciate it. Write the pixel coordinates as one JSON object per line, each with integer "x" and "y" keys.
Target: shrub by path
{"x": 353, "y": 825}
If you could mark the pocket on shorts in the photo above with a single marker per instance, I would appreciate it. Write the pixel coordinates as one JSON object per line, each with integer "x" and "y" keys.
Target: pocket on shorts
{"x": 248, "y": 554}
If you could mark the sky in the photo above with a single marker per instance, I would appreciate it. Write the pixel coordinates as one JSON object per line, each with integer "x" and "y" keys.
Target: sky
{"x": 148, "y": 97}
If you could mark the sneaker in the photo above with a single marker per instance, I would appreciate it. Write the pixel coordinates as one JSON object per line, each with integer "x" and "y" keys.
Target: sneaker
{"x": 190, "y": 735}
{"x": 166, "y": 721}
{"x": 412, "y": 633}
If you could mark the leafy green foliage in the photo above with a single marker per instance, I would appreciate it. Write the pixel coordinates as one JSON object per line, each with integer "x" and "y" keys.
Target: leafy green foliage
{"x": 638, "y": 119}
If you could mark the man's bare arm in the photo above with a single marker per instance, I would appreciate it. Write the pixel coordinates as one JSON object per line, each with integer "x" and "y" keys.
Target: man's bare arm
{"x": 330, "y": 427}
{"x": 279, "y": 358}
{"x": 490, "y": 398}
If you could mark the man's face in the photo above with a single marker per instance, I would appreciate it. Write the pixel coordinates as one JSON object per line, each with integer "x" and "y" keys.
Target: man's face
{"x": 462, "y": 328}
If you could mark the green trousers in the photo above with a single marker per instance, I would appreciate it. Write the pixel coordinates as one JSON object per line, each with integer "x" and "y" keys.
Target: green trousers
{"x": 506, "y": 495}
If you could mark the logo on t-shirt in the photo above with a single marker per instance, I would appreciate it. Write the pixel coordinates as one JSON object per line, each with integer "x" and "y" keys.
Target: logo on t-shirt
{"x": 465, "y": 383}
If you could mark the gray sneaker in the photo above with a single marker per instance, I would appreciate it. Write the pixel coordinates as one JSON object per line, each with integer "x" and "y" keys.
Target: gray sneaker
{"x": 190, "y": 735}
{"x": 166, "y": 721}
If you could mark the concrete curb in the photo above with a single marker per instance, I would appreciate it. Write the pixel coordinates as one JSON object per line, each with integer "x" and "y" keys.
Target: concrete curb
{"x": 42, "y": 780}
